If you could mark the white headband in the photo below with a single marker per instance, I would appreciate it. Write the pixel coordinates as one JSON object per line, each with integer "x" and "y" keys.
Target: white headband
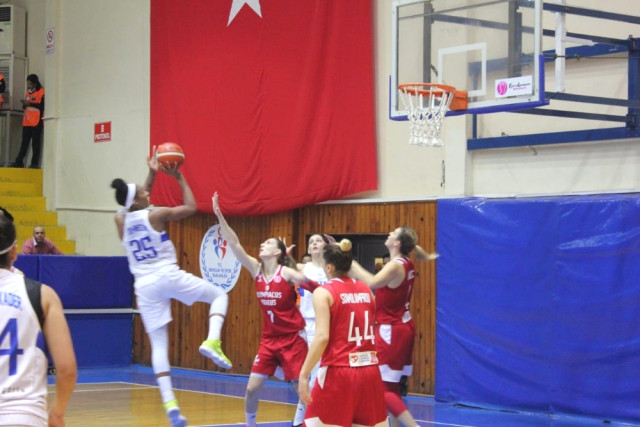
{"x": 4, "y": 251}
{"x": 131, "y": 194}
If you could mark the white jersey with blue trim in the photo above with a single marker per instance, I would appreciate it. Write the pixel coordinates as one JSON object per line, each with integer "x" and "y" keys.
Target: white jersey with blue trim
{"x": 23, "y": 363}
{"x": 146, "y": 248}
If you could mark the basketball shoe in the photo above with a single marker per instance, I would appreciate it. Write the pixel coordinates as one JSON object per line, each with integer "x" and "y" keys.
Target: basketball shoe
{"x": 173, "y": 412}
{"x": 213, "y": 350}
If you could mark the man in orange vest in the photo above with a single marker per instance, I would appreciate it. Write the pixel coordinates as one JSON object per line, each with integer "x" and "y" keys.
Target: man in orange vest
{"x": 32, "y": 123}
{"x": 3, "y": 87}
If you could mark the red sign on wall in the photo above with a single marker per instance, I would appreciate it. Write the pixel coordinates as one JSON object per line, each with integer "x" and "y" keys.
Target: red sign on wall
{"x": 102, "y": 132}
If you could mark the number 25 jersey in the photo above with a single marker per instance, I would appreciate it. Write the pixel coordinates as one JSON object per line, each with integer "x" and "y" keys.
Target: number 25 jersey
{"x": 146, "y": 248}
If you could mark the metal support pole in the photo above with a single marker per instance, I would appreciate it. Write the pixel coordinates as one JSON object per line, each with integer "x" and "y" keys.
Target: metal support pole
{"x": 426, "y": 43}
{"x": 514, "y": 42}
{"x": 633, "y": 116}
{"x": 561, "y": 35}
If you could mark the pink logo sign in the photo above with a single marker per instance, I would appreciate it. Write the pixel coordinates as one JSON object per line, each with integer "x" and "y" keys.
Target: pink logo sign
{"x": 502, "y": 87}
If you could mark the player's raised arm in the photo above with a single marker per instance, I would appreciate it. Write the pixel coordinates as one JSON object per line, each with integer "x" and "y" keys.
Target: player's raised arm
{"x": 249, "y": 262}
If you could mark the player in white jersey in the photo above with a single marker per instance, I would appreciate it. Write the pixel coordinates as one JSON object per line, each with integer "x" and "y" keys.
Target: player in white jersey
{"x": 313, "y": 270}
{"x": 158, "y": 279}
{"x": 31, "y": 318}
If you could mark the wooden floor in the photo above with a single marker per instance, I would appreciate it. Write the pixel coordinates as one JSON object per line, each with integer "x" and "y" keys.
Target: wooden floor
{"x": 128, "y": 397}
{"x": 123, "y": 404}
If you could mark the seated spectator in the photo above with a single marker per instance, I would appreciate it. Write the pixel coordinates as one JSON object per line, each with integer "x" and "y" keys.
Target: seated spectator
{"x": 39, "y": 244}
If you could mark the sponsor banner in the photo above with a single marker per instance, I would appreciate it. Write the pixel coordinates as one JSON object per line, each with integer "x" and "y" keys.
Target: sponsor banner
{"x": 515, "y": 86}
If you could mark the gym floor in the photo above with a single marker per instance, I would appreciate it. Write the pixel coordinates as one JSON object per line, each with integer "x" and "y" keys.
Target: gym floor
{"x": 128, "y": 396}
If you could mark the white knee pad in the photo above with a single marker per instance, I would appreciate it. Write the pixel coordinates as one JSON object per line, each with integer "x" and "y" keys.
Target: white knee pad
{"x": 159, "y": 340}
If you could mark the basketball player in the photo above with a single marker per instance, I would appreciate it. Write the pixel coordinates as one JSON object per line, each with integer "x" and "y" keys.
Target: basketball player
{"x": 393, "y": 286}
{"x": 282, "y": 343}
{"x": 313, "y": 270}
{"x": 29, "y": 312}
{"x": 158, "y": 279}
{"x": 349, "y": 388}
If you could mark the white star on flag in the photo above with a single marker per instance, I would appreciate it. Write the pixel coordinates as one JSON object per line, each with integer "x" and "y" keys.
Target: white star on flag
{"x": 237, "y": 5}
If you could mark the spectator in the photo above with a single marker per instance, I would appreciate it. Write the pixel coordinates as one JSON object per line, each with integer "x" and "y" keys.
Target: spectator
{"x": 32, "y": 123}
{"x": 3, "y": 87}
{"x": 39, "y": 244}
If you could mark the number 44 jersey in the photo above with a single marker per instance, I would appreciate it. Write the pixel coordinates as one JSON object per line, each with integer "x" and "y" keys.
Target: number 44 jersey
{"x": 351, "y": 337}
{"x": 146, "y": 248}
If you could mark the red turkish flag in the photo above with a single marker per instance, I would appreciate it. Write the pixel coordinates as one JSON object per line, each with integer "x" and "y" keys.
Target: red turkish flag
{"x": 271, "y": 100}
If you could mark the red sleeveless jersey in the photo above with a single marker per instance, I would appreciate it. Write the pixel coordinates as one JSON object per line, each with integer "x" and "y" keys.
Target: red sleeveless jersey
{"x": 392, "y": 305}
{"x": 351, "y": 337}
{"x": 277, "y": 300}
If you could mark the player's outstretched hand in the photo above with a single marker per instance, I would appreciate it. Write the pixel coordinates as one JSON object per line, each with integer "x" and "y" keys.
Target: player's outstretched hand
{"x": 289, "y": 248}
{"x": 152, "y": 160}
{"x": 216, "y": 205}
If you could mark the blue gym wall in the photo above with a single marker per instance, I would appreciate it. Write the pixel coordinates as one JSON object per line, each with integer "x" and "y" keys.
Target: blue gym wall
{"x": 538, "y": 304}
{"x": 97, "y": 295}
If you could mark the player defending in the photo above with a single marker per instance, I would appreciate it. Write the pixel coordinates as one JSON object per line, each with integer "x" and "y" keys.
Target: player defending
{"x": 282, "y": 341}
{"x": 158, "y": 279}
{"x": 394, "y": 286}
{"x": 349, "y": 389}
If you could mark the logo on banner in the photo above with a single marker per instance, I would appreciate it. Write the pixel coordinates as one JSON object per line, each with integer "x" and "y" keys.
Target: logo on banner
{"x": 514, "y": 87}
{"x": 218, "y": 263}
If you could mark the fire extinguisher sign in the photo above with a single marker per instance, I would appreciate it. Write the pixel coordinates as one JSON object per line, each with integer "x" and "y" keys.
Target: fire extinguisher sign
{"x": 102, "y": 132}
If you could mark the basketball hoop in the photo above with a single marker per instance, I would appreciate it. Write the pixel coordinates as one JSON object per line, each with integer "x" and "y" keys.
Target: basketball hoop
{"x": 427, "y": 104}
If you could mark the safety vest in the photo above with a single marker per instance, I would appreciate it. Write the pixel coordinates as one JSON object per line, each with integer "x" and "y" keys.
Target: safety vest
{"x": 31, "y": 113}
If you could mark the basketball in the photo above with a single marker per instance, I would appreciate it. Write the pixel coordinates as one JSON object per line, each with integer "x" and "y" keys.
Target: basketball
{"x": 170, "y": 155}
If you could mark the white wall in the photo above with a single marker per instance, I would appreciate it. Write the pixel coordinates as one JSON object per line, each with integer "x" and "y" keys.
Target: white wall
{"x": 100, "y": 72}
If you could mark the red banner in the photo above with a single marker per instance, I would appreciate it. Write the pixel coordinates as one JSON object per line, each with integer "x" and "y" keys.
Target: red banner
{"x": 271, "y": 100}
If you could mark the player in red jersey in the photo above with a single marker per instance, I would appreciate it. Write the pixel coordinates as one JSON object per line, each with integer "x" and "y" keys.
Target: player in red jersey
{"x": 348, "y": 389}
{"x": 395, "y": 330}
{"x": 282, "y": 342}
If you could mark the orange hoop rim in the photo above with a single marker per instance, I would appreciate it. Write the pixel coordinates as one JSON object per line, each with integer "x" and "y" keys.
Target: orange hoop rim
{"x": 436, "y": 88}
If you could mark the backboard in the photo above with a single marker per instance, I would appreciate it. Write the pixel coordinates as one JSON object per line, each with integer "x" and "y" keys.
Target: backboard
{"x": 489, "y": 48}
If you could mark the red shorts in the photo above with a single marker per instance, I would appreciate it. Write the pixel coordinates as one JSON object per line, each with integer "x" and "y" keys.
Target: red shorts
{"x": 345, "y": 396}
{"x": 287, "y": 351}
{"x": 394, "y": 344}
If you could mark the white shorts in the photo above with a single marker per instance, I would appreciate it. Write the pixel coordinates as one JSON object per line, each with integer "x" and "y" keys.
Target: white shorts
{"x": 154, "y": 292}
{"x": 26, "y": 420}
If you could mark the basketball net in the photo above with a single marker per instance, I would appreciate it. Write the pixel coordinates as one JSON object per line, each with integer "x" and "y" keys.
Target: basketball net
{"x": 427, "y": 104}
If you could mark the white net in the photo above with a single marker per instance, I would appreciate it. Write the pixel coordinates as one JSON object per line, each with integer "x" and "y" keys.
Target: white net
{"x": 427, "y": 104}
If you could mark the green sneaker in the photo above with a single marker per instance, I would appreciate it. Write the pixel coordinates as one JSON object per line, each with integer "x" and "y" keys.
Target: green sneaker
{"x": 213, "y": 350}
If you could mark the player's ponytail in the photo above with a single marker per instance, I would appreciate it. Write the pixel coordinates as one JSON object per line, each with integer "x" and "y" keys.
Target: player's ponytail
{"x": 121, "y": 190}
{"x": 339, "y": 255}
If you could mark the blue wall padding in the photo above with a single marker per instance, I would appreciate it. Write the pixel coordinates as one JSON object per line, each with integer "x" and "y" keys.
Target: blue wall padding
{"x": 101, "y": 340}
{"x": 29, "y": 265}
{"x": 88, "y": 282}
{"x": 538, "y": 304}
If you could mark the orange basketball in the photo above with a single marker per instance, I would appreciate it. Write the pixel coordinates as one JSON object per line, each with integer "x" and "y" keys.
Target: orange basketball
{"x": 170, "y": 155}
